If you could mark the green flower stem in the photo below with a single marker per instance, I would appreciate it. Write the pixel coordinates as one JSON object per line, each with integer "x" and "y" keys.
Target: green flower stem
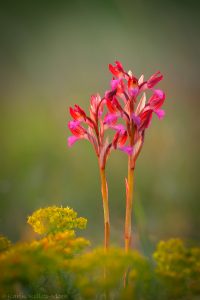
{"x": 104, "y": 192}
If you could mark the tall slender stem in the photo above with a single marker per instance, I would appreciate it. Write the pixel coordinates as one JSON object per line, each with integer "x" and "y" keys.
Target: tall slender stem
{"x": 129, "y": 192}
{"x": 104, "y": 191}
{"x": 129, "y": 202}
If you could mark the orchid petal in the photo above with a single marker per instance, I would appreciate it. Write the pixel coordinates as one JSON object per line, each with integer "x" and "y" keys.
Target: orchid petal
{"x": 110, "y": 94}
{"x": 122, "y": 138}
{"x": 127, "y": 149}
{"x": 130, "y": 74}
{"x": 154, "y": 79}
{"x": 119, "y": 65}
{"x": 110, "y": 119}
{"x": 145, "y": 117}
{"x": 96, "y": 107}
{"x": 73, "y": 124}
{"x": 94, "y": 102}
{"x": 76, "y": 129}
{"x": 159, "y": 93}
{"x": 138, "y": 142}
{"x": 160, "y": 113}
{"x": 114, "y": 70}
{"x": 136, "y": 119}
{"x": 77, "y": 113}
{"x": 114, "y": 83}
{"x": 118, "y": 127}
{"x": 133, "y": 91}
{"x": 133, "y": 86}
{"x": 141, "y": 104}
{"x": 112, "y": 108}
{"x": 72, "y": 139}
{"x": 117, "y": 70}
{"x": 93, "y": 140}
{"x": 157, "y": 99}
{"x": 141, "y": 79}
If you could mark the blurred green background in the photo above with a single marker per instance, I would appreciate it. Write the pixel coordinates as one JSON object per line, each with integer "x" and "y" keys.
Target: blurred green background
{"x": 55, "y": 54}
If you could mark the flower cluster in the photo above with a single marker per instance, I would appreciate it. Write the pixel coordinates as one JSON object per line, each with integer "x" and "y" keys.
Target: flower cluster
{"x": 89, "y": 269}
{"x": 125, "y": 110}
{"x": 4, "y": 243}
{"x": 56, "y": 264}
{"x": 55, "y": 219}
{"x": 42, "y": 265}
{"x": 93, "y": 127}
{"x": 178, "y": 267}
{"x": 122, "y": 103}
{"x": 64, "y": 243}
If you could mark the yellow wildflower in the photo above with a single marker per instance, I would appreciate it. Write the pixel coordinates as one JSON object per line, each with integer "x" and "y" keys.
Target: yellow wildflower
{"x": 55, "y": 219}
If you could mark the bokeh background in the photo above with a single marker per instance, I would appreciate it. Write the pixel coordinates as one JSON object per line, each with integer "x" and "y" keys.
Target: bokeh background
{"x": 54, "y": 54}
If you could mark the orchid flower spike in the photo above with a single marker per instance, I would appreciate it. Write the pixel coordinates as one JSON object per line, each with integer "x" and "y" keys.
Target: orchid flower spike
{"x": 93, "y": 127}
{"x": 122, "y": 103}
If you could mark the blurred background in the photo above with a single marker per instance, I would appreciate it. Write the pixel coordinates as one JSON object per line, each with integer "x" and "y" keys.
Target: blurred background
{"x": 56, "y": 53}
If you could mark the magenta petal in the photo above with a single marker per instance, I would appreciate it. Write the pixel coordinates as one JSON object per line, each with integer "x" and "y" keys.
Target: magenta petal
{"x": 136, "y": 120}
{"x": 73, "y": 124}
{"x": 127, "y": 149}
{"x": 159, "y": 93}
{"x": 133, "y": 91}
{"x": 110, "y": 118}
{"x": 118, "y": 127}
{"x": 160, "y": 113}
{"x": 71, "y": 140}
{"x": 114, "y": 83}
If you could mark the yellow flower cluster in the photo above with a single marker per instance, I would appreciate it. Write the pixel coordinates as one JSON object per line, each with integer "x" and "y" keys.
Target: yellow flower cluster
{"x": 56, "y": 263}
{"x": 179, "y": 268}
{"x": 27, "y": 265}
{"x": 55, "y": 219}
{"x": 63, "y": 243}
{"x": 4, "y": 243}
{"x": 98, "y": 271}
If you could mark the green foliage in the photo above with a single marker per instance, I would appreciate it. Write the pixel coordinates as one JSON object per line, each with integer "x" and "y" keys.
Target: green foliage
{"x": 58, "y": 264}
{"x": 178, "y": 268}
{"x": 4, "y": 243}
{"x": 98, "y": 272}
{"x": 41, "y": 266}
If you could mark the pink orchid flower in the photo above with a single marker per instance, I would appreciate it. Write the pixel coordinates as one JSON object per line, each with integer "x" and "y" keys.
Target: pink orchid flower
{"x": 127, "y": 87}
{"x": 125, "y": 101}
{"x": 122, "y": 103}
{"x": 92, "y": 128}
